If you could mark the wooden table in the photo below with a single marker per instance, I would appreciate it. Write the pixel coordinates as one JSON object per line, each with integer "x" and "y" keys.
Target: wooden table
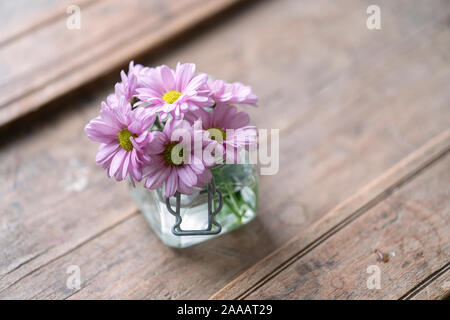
{"x": 363, "y": 185}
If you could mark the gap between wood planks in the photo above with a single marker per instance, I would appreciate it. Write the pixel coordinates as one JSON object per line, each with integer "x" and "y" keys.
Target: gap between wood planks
{"x": 206, "y": 12}
{"x": 414, "y": 292}
{"x": 93, "y": 237}
{"x": 410, "y": 226}
{"x": 340, "y": 217}
{"x": 288, "y": 128}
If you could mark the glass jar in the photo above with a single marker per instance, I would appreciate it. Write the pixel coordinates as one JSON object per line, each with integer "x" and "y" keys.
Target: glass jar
{"x": 238, "y": 184}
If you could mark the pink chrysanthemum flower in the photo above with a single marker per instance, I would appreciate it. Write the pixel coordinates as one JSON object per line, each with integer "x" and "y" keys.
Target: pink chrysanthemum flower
{"x": 227, "y": 128}
{"x": 231, "y": 93}
{"x": 180, "y": 172}
{"x": 123, "y": 134}
{"x": 175, "y": 92}
{"x": 131, "y": 81}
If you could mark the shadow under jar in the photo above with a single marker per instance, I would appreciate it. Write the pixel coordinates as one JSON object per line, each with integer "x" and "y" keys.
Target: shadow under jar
{"x": 238, "y": 184}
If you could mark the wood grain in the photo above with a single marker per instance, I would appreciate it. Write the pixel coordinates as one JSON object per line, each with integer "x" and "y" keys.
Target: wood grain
{"x": 112, "y": 32}
{"x": 337, "y": 219}
{"x": 412, "y": 225}
{"x": 436, "y": 287}
{"x": 340, "y": 99}
{"x": 18, "y": 18}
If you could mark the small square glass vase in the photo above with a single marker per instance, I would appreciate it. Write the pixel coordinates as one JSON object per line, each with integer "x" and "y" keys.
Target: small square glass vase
{"x": 238, "y": 184}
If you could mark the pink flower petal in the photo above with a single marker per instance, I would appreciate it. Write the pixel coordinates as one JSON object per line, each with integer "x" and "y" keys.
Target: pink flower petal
{"x": 117, "y": 162}
{"x": 167, "y": 78}
{"x": 197, "y": 82}
{"x": 126, "y": 162}
{"x": 106, "y": 151}
{"x": 171, "y": 184}
{"x": 203, "y": 178}
{"x": 183, "y": 188}
{"x": 157, "y": 142}
{"x": 183, "y": 75}
{"x": 186, "y": 175}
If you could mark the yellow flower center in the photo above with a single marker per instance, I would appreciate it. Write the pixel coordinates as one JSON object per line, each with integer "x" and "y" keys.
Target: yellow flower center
{"x": 217, "y": 134}
{"x": 167, "y": 154}
{"x": 171, "y": 96}
{"x": 124, "y": 139}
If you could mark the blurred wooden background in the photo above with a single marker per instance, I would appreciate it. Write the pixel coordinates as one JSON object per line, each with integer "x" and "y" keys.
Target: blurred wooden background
{"x": 364, "y": 118}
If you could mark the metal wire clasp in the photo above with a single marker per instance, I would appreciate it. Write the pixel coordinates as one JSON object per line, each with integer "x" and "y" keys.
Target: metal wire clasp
{"x": 211, "y": 190}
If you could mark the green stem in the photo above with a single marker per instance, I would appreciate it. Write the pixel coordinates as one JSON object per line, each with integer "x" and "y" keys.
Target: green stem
{"x": 230, "y": 199}
{"x": 158, "y": 124}
{"x": 232, "y": 209}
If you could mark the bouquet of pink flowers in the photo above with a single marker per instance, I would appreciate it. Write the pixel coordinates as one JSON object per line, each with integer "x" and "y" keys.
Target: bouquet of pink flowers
{"x": 170, "y": 127}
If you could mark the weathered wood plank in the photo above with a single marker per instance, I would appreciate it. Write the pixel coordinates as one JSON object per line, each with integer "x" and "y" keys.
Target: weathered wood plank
{"x": 438, "y": 287}
{"x": 111, "y": 33}
{"x": 338, "y": 218}
{"x": 342, "y": 117}
{"x": 49, "y": 198}
{"x": 17, "y": 18}
{"x": 412, "y": 225}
